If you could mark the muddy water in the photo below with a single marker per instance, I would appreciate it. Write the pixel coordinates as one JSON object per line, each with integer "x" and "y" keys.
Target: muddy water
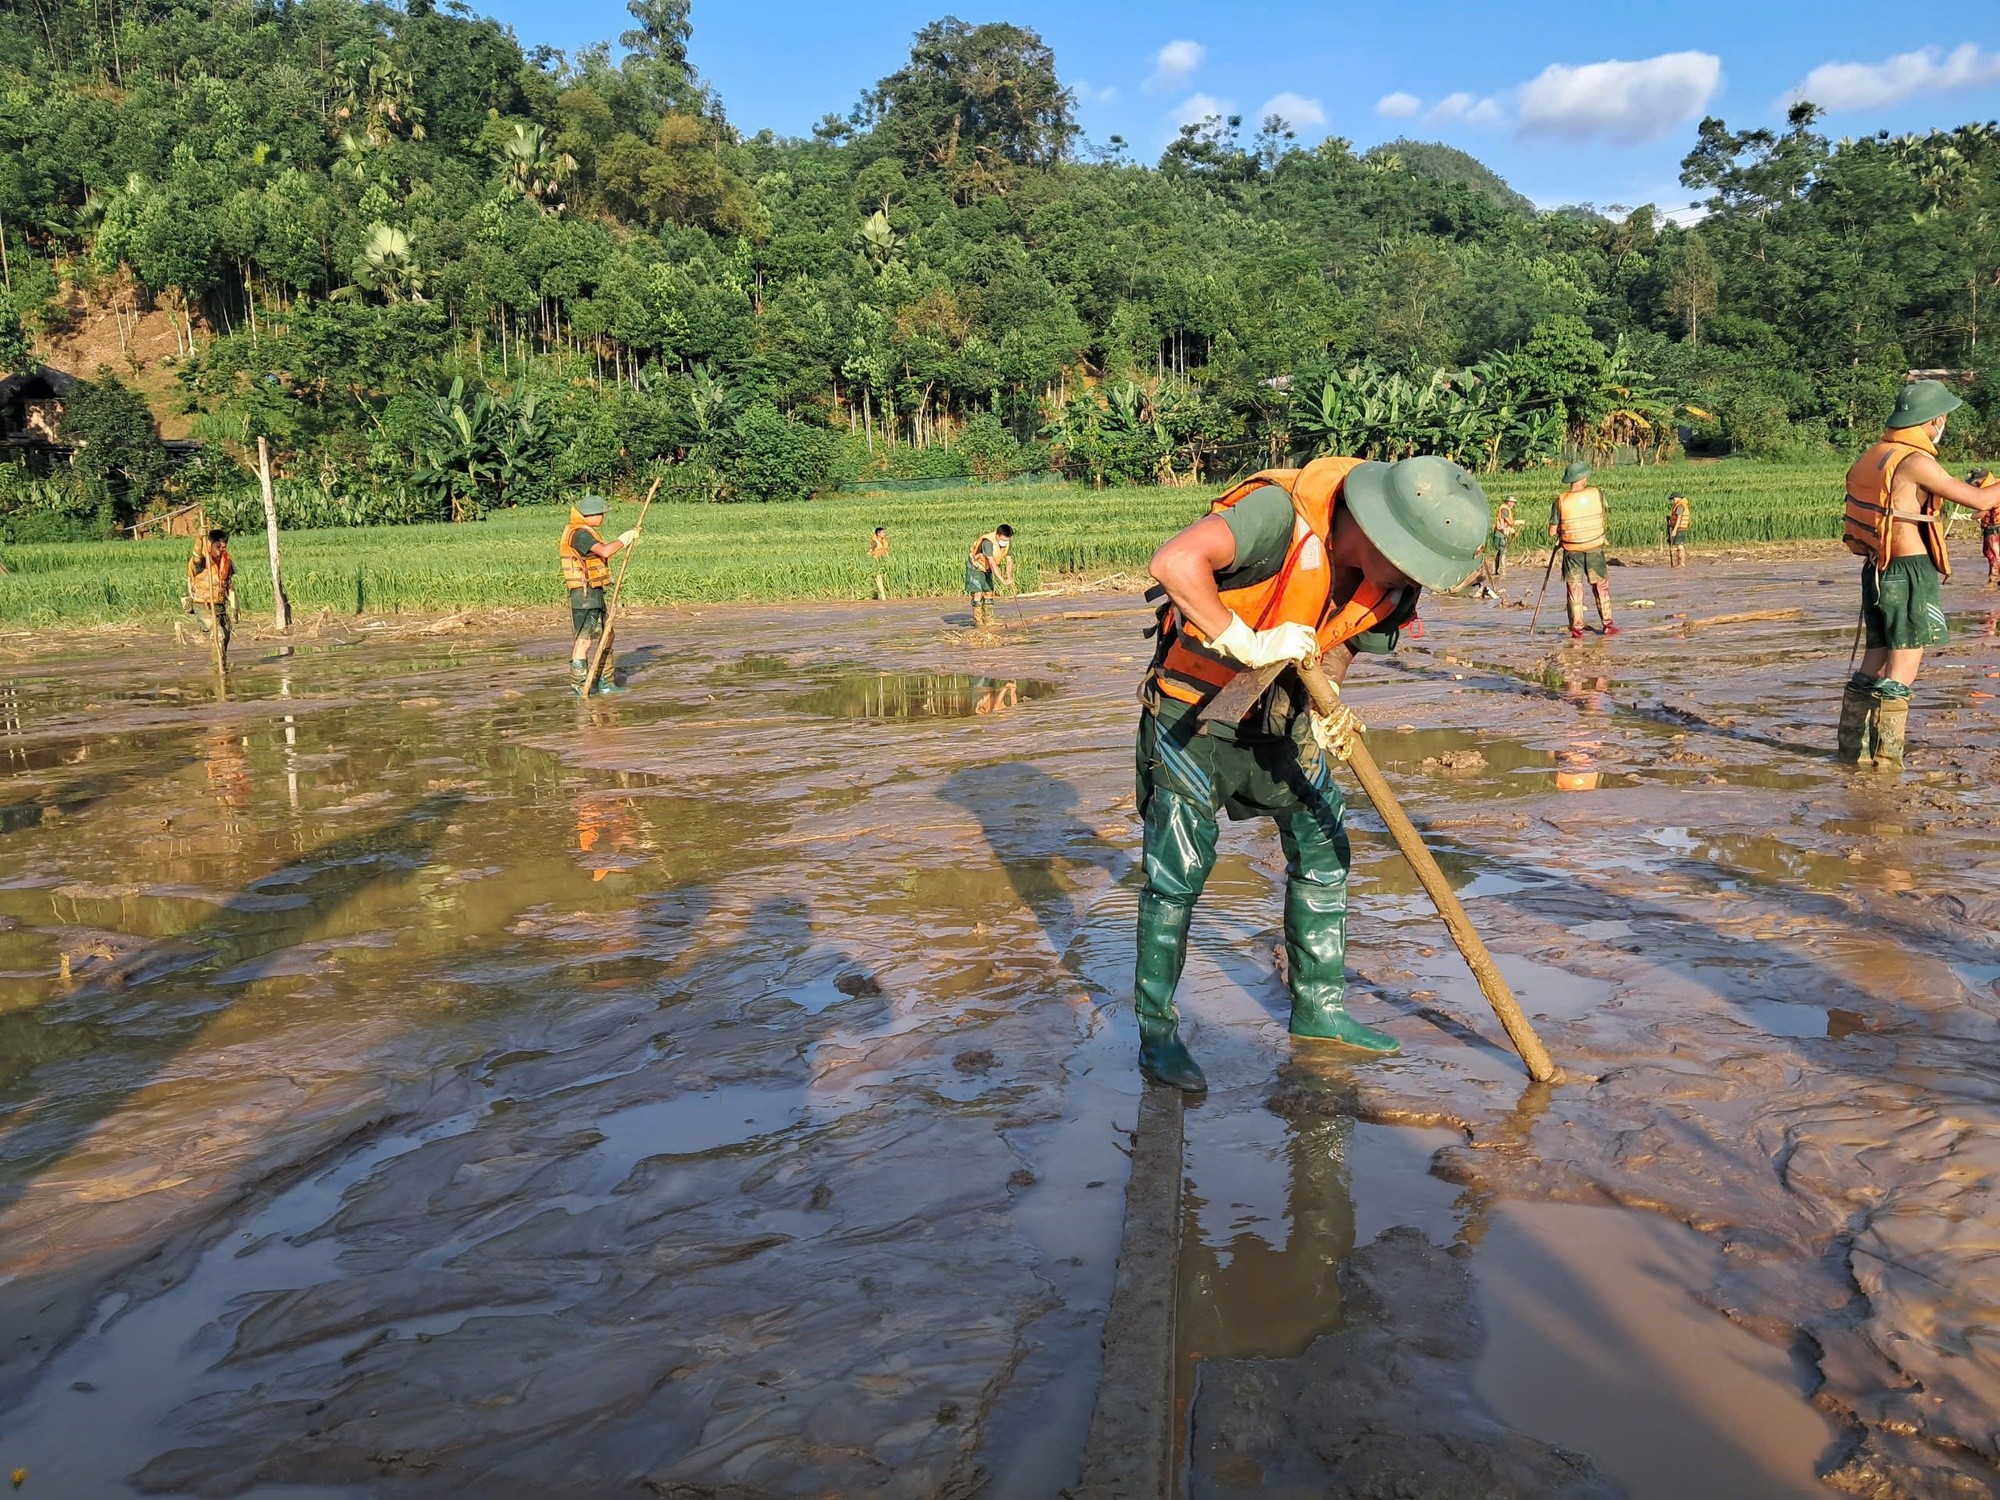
{"x": 412, "y": 1080}
{"x": 1740, "y": 1251}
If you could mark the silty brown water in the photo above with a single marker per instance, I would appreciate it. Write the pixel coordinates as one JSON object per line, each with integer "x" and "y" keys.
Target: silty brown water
{"x": 455, "y": 1088}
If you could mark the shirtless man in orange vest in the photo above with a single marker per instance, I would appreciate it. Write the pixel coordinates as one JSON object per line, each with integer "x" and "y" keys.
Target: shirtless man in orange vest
{"x": 1896, "y": 494}
{"x": 1290, "y": 565}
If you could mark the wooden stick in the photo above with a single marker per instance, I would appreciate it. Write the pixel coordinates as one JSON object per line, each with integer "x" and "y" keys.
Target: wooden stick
{"x": 1746, "y": 617}
{"x": 1547, "y": 573}
{"x": 283, "y": 605}
{"x": 1404, "y": 832}
{"x": 611, "y": 611}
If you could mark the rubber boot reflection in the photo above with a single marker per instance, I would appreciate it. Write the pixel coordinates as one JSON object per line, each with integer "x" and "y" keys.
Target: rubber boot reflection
{"x": 1272, "y": 1288}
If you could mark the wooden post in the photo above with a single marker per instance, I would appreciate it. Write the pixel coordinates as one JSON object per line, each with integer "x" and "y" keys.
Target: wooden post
{"x": 283, "y": 605}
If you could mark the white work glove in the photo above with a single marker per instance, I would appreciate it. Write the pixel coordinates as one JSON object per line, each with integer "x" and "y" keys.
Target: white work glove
{"x": 1335, "y": 732}
{"x": 1265, "y": 648}
{"x": 627, "y": 538}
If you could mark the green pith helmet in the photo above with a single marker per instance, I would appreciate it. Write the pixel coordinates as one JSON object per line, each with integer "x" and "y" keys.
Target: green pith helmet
{"x": 1922, "y": 401}
{"x": 1426, "y": 515}
{"x": 590, "y": 505}
{"x": 1575, "y": 472}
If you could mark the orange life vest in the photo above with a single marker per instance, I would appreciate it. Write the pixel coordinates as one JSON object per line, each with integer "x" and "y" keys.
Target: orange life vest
{"x": 1870, "y": 518}
{"x": 1580, "y": 520}
{"x": 1300, "y": 592}
{"x": 209, "y": 577}
{"x": 1679, "y": 514}
{"x": 580, "y": 570}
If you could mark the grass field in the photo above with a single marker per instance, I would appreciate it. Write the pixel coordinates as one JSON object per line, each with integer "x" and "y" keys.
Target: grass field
{"x": 816, "y": 550}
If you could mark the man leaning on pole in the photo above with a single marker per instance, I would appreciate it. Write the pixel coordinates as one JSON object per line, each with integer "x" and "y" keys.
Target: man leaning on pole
{"x": 1290, "y": 565}
{"x": 586, "y": 567}
{"x": 1577, "y": 522}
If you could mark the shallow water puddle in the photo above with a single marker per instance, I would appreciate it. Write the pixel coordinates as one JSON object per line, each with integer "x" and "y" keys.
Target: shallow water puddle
{"x": 919, "y": 695}
{"x": 1594, "y": 1341}
{"x": 1273, "y": 1206}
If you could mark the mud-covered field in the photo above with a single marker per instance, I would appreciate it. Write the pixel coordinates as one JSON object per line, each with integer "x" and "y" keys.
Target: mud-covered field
{"x": 414, "y": 1081}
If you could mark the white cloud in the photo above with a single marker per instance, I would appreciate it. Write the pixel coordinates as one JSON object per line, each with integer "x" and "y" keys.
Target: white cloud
{"x": 1293, "y": 109}
{"x": 1085, "y": 94}
{"x": 1930, "y": 70}
{"x": 1398, "y": 106}
{"x": 1468, "y": 109}
{"x": 1198, "y": 107}
{"x": 1174, "y": 64}
{"x": 1625, "y": 102}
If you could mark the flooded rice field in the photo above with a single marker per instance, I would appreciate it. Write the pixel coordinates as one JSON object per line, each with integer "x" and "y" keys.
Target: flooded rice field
{"x": 413, "y": 1081}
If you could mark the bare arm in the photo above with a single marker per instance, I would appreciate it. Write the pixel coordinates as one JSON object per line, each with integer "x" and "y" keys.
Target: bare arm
{"x": 1186, "y": 565}
{"x": 1931, "y": 474}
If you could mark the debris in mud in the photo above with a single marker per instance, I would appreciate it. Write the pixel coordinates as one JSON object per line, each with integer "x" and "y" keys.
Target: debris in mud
{"x": 1453, "y": 760}
{"x": 979, "y": 1060}
{"x": 858, "y": 986}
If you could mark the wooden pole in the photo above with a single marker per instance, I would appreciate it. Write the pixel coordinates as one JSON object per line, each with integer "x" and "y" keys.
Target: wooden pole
{"x": 1411, "y": 843}
{"x": 283, "y": 605}
{"x": 611, "y": 610}
{"x": 1547, "y": 573}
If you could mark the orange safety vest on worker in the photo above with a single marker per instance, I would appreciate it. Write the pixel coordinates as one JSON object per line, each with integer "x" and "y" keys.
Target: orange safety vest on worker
{"x": 580, "y": 570}
{"x": 1580, "y": 520}
{"x": 1870, "y": 518}
{"x": 1300, "y": 592}
{"x": 209, "y": 577}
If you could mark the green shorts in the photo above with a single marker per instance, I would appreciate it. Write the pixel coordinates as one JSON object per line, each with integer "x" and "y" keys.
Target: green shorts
{"x": 977, "y": 580}
{"x": 1585, "y": 565}
{"x": 1902, "y": 606}
{"x": 1677, "y": 539}
{"x": 586, "y": 611}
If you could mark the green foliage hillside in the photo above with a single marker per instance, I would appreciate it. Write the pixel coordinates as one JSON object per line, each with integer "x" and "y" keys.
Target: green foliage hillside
{"x": 444, "y": 274}
{"x": 1449, "y": 164}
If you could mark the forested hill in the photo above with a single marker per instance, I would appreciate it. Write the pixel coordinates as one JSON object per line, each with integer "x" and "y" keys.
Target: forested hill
{"x": 400, "y": 245}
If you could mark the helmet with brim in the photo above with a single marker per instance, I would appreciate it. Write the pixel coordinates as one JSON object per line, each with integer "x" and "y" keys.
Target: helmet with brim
{"x": 1426, "y": 515}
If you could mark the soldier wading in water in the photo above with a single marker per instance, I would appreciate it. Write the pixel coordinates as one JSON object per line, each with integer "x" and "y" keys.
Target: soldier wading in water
{"x": 1896, "y": 494}
{"x": 1291, "y": 565}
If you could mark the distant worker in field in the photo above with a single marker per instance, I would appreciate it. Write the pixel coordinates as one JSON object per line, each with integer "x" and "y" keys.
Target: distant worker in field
{"x": 1576, "y": 520}
{"x": 1679, "y": 515}
{"x": 586, "y": 567}
{"x": 1989, "y": 529}
{"x": 1505, "y": 529}
{"x": 1290, "y": 565}
{"x": 878, "y": 553}
{"x": 989, "y": 565}
{"x": 1896, "y": 494}
{"x": 211, "y": 585}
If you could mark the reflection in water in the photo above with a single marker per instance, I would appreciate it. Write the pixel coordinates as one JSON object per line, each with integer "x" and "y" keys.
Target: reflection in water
{"x": 1271, "y": 1287}
{"x": 919, "y": 695}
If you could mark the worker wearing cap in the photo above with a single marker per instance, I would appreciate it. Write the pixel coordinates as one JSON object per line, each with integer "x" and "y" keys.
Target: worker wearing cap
{"x": 1679, "y": 515}
{"x": 1290, "y": 565}
{"x": 1577, "y": 521}
{"x": 585, "y": 559}
{"x": 1894, "y": 521}
{"x": 1505, "y": 529}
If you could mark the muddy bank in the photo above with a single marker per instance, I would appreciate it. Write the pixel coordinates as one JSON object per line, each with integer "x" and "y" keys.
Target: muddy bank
{"x": 410, "y": 1079}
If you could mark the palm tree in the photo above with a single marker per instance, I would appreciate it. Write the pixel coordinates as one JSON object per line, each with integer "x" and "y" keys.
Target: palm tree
{"x": 387, "y": 265}
{"x": 536, "y": 169}
{"x": 878, "y": 241}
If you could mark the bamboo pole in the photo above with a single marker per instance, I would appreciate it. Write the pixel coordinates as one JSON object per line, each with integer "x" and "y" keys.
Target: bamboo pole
{"x": 1547, "y": 573}
{"x": 1411, "y": 843}
{"x": 282, "y": 605}
{"x": 611, "y": 610}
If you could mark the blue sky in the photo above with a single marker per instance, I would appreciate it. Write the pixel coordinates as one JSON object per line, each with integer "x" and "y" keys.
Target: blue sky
{"x": 1571, "y": 102}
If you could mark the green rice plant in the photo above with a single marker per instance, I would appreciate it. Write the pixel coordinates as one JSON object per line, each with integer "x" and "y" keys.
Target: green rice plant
{"x": 818, "y": 550}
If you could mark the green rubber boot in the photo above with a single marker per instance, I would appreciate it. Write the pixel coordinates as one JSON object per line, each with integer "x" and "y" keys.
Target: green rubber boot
{"x": 1316, "y": 948}
{"x": 577, "y": 671}
{"x": 1857, "y": 729}
{"x": 1163, "y": 1056}
{"x": 1889, "y": 722}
